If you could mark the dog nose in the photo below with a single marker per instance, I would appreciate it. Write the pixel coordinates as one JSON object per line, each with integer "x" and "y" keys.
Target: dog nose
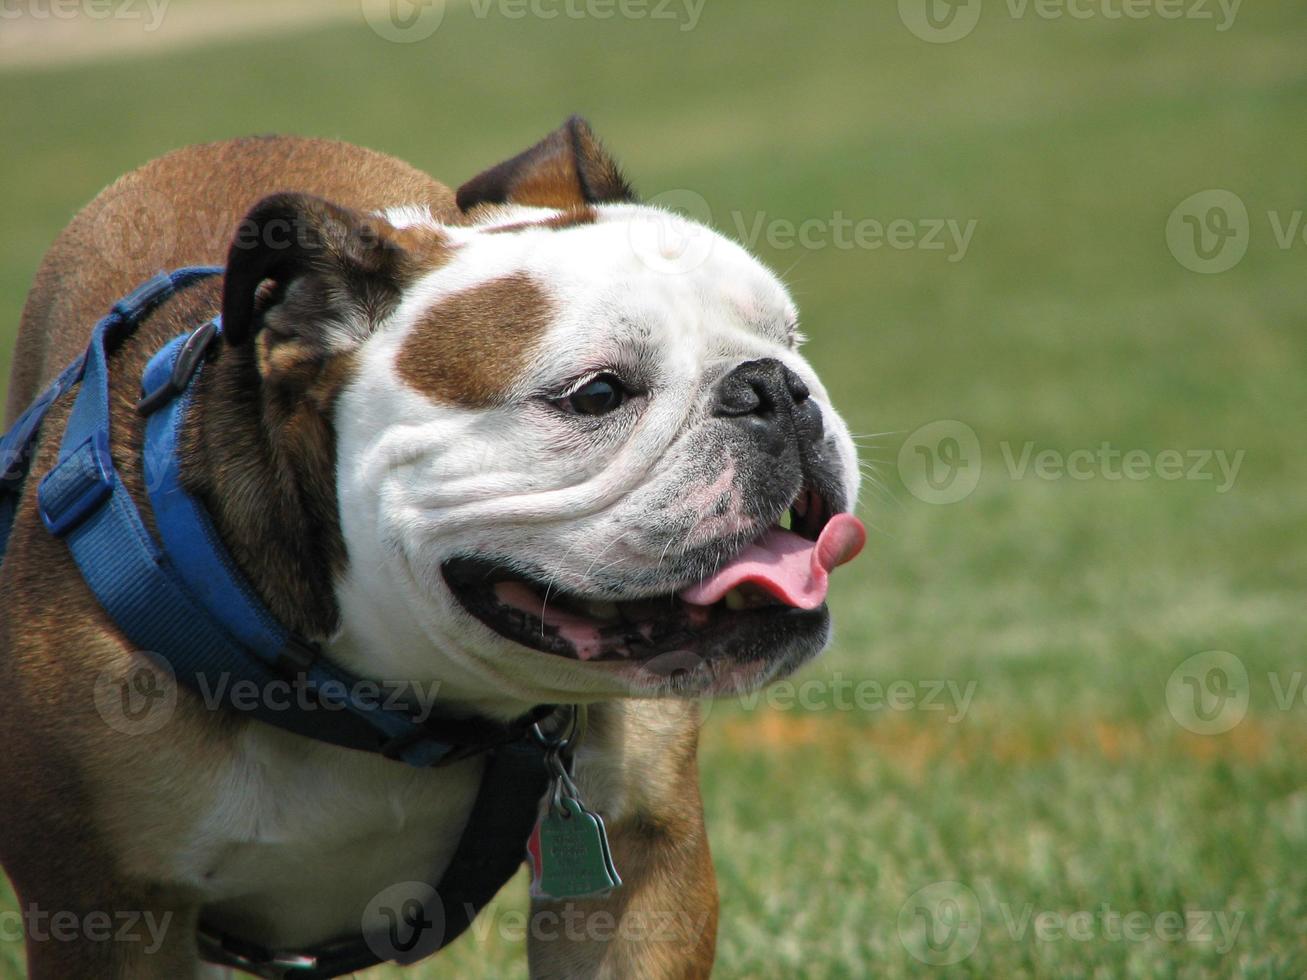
{"x": 769, "y": 398}
{"x": 759, "y": 387}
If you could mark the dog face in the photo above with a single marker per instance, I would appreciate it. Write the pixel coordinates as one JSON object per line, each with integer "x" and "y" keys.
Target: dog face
{"x": 565, "y": 453}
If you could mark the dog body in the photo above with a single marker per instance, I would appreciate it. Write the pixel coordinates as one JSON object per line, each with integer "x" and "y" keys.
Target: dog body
{"x": 430, "y": 415}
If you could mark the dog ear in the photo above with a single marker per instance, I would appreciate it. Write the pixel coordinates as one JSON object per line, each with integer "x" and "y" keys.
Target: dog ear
{"x": 568, "y": 168}
{"x": 308, "y": 270}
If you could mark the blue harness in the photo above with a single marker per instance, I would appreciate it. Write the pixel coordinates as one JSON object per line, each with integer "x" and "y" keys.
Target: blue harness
{"x": 183, "y": 598}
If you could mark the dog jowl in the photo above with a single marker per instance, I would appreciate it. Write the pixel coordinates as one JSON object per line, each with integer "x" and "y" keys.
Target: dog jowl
{"x": 503, "y": 444}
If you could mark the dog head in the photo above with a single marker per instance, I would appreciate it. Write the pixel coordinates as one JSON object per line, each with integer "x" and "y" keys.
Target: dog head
{"x": 578, "y": 452}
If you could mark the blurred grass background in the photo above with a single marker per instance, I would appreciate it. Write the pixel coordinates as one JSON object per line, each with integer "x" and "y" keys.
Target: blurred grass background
{"x": 1067, "y": 784}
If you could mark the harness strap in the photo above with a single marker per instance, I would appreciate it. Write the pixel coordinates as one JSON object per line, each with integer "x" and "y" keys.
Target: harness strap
{"x": 16, "y": 444}
{"x": 187, "y": 601}
{"x": 16, "y": 447}
{"x": 240, "y": 630}
{"x": 488, "y": 854}
{"x": 184, "y": 599}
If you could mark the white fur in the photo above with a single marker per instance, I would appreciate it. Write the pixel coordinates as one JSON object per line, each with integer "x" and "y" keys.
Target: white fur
{"x": 419, "y": 480}
{"x": 303, "y": 835}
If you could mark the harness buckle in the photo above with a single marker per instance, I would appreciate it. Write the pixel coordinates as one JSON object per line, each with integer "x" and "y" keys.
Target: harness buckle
{"x": 77, "y": 486}
{"x": 193, "y": 350}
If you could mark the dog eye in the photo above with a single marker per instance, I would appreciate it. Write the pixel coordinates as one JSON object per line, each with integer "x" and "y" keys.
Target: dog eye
{"x": 600, "y": 395}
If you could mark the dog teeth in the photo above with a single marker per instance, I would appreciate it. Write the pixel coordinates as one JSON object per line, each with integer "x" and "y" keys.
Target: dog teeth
{"x": 735, "y": 600}
{"x": 602, "y": 610}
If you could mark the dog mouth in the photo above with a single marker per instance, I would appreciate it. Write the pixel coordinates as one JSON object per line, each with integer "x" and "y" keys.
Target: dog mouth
{"x": 770, "y": 595}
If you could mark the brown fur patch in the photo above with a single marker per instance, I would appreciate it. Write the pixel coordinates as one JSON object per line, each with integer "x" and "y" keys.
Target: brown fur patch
{"x": 471, "y": 348}
{"x": 569, "y": 167}
{"x": 426, "y": 248}
{"x": 571, "y": 218}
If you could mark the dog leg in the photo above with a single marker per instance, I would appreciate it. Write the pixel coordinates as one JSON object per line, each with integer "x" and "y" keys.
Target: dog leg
{"x": 118, "y": 939}
{"x": 662, "y": 922}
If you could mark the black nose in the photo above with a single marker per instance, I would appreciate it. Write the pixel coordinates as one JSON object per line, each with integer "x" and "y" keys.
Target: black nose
{"x": 770, "y": 399}
{"x": 760, "y": 387}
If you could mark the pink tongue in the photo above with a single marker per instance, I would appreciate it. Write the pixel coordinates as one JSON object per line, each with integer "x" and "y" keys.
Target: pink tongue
{"x": 791, "y": 568}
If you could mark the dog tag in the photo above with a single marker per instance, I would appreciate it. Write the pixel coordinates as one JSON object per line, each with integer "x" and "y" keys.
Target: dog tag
{"x": 569, "y": 853}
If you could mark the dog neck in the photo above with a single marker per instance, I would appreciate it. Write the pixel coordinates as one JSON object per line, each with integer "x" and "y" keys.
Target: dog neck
{"x": 261, "y": 458}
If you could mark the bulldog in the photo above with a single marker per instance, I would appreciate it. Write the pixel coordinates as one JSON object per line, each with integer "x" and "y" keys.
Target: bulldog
{"x": 529, "y": 444}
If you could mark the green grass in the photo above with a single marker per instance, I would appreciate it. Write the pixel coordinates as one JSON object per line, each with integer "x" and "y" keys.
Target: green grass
{"x": 1067, "y": 785}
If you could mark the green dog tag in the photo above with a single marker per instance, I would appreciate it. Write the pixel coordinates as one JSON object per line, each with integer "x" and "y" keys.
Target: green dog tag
{"x": 569, "y": 854}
